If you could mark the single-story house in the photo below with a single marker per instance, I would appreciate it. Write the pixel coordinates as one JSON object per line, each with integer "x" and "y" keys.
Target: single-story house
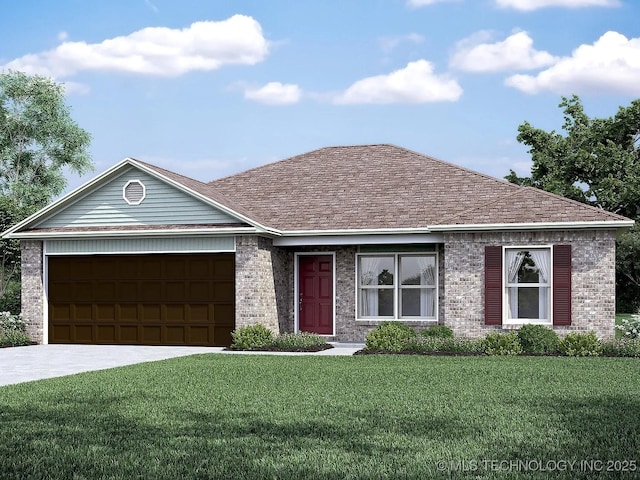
{"x": 333, "y": 241}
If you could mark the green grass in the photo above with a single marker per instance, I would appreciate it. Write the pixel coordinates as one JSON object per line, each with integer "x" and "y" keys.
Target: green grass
{"x": 296, "y": 417}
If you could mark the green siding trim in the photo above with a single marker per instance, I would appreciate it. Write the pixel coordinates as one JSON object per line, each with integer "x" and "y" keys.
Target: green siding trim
{"x": 163, "y": 205}
{"x": 140, "y": 245}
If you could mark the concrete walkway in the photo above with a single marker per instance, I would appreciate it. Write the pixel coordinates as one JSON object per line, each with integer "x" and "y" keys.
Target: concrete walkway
{"x": 36, "y": 362}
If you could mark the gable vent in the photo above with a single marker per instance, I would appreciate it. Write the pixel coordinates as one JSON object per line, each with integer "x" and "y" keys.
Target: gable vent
{"x": 134, "y": 192}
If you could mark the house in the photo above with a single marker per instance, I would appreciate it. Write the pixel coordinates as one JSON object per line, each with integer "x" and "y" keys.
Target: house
{"x": 333, "y": 241}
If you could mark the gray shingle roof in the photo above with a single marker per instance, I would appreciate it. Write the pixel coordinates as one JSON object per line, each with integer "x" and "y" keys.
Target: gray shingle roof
{"x": 387, "y": 187}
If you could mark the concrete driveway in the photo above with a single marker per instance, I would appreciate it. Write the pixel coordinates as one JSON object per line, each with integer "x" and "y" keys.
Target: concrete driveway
{"x": 36, "y": 362}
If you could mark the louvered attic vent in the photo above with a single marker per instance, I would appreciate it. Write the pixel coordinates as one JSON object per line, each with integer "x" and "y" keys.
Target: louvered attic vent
{"x": 134, "y": 192}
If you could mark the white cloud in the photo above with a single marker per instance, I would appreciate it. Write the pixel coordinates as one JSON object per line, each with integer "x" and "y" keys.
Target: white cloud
{"x": 529, "y": 5}
{"x": 275, "y": 93}
{"x": 62, "y": 36}
{"x": 156, "y": 51}
{"x": 423, "y": 3}
{"x": 514, "y": 53}
{"x": 388, "y": 44}
{"x": 610, "y": 65}
{"x": 416, "y": 83}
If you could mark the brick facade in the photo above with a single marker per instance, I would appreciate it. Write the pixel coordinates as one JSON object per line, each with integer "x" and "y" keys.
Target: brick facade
{"x": 265, "y": 283}
{"x": 263, "y": 277}
{"x": 32, "y": 289}
{"x": 593, "y": 278}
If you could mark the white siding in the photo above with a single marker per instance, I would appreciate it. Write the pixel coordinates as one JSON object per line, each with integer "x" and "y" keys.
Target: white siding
{"x": 163, "y": 204}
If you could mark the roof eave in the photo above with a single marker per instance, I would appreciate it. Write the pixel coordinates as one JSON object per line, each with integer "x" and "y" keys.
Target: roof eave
{"x": 611, "y": 225}
{"x": 134, "y": 233}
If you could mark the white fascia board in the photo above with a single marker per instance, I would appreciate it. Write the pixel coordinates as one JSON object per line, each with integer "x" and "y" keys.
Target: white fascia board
{"x": 135, "y": 233}
{"x": 204, "y": 198}
{"x": 357, "y": 240}
{"x": 355, "y": 231}
{"x": 612, "y": 225}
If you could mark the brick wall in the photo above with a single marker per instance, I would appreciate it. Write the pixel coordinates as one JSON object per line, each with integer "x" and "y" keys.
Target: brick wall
{"x": 593, "y": 278}
{"x": 32, "y": 289}
{"x": 263, "y": 277}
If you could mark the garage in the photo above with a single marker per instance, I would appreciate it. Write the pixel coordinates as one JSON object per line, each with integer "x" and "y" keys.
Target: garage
{"x": 150, "y": 299}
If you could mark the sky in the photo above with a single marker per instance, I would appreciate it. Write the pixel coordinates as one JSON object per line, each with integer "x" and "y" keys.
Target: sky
{"x": 208, "y": 88}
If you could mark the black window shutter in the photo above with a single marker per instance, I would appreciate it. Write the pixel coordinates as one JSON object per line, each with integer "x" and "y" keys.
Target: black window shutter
{"x": 562, "y": 284}
{"x": 493, "y": 285}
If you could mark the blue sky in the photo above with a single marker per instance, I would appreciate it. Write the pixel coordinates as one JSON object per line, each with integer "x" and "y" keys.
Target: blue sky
{"x": 211, "y": 88}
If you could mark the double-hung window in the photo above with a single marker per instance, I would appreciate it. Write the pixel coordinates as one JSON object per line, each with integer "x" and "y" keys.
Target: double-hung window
{"x": 528, "y": 284}
{"x": 397, "y": 286}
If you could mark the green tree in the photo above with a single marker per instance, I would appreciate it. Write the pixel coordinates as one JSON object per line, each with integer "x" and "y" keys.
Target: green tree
{"x": 39, "y": 141}
{"x": 597, "y": 162}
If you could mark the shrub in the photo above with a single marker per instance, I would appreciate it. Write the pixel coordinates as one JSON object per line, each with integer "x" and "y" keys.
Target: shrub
{"x": 392, "y": 337}
{"x": 11, "y": 322}
{"x": 502, "y": 344}
{"x": 13, "y": 338}
{"x": 580, "y": 345}
{"x": 251, "y": 337}
{"x": 538, "y": 339}
{"x": 438, "y": 331}
{"x": 630, "y": 328}
{"x": 299, "y": 341}
{"x": 621, "y": 348}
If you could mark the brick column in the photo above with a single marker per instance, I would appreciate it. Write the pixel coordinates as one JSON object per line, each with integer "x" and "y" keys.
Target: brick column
{"x": 33, "y": 289}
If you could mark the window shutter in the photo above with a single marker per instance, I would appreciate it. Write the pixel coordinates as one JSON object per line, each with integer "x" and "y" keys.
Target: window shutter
{"x": 493, "y": 285}
{"x": 562, "y": 284}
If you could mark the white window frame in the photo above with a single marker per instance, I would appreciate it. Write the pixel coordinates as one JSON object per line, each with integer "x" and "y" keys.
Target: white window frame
{"x": 397, "y": 288}
{"x": 506, "y": 285}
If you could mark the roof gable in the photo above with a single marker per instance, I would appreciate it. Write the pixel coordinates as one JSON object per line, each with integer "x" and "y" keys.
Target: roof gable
{"x": 99, "y": 205}
{"x": 162, "y": 204}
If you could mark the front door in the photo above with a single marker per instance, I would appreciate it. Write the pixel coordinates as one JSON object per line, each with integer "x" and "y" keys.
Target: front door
{"x": 315, "y": 294}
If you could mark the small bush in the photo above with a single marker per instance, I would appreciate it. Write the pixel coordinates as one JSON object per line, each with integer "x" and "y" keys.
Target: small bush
{"x": 251, "y": 337}
{"x": 621, "y": 348}
{"x": 630, "y": 328}
{"x": 580, "y": 345}
{"x": 438, "y": 331}
{"x": 538, "y": 340}
{"x": 502, "y": 344}
{"x": 13, "y": 338}
{"x": 302, "y": 341}
{"x": 392, "y": 337}
{"x": 11, "y": 322}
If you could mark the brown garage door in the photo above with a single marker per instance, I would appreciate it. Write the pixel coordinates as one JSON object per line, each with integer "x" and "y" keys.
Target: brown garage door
{"x": 142, "y": 299}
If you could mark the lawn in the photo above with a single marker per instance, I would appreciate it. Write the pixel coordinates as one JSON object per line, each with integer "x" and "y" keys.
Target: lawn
{"x": 369, "y": 417}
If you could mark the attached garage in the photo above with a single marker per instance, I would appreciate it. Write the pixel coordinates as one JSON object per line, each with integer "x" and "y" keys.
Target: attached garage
{"x": 149, "y": 299}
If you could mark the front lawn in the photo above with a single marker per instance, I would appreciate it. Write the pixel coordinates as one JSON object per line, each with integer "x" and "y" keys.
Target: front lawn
{"x": 297, "y": 417}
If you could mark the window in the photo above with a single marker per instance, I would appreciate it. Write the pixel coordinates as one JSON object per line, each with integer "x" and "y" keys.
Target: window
{"x": 397, "y": 286}
{"x": 528, "y": 284}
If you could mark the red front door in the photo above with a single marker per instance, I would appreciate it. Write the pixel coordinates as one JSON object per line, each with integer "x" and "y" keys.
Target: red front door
{"x": 315, "y": 294}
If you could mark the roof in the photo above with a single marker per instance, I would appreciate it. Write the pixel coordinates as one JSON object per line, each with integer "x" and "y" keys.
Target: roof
{"x": 373, "y": 187}
{"x": 349, "y": 190}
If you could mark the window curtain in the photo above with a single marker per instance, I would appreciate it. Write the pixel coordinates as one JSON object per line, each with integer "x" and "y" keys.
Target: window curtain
{"x": 514, "y": 262}
{"x": 369, "y": 267}
{"x": 543, "y": 261}
{"x": 427, "y": 295}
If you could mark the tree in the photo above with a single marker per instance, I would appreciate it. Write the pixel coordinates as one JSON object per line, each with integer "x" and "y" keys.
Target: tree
{"x": 38, "y": 141}
{"x": 597, "y": 162}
